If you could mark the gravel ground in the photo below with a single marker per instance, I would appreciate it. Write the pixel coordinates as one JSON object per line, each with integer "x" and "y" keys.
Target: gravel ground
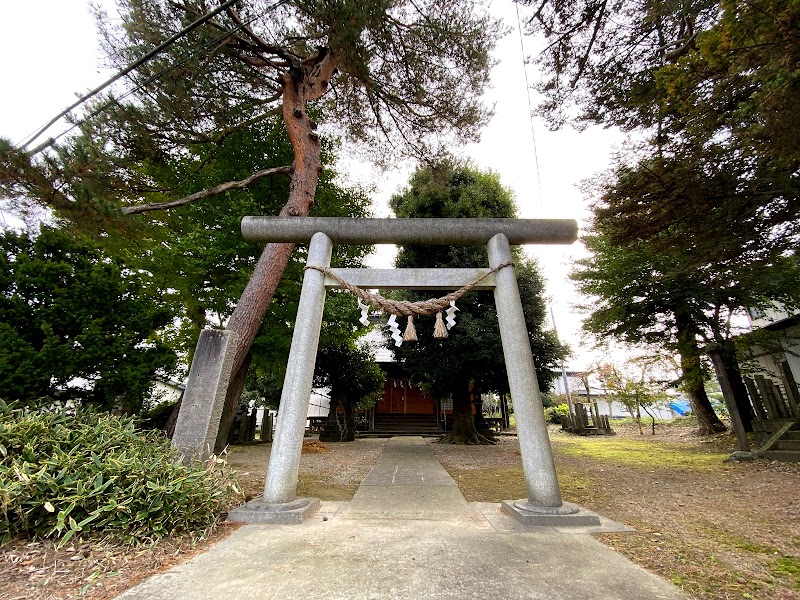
{"x": 330, "y": 470}
{"x": 720, "y": 531}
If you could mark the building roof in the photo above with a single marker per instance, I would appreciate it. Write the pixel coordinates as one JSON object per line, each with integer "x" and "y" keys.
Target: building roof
{"x": 375, "y": 340}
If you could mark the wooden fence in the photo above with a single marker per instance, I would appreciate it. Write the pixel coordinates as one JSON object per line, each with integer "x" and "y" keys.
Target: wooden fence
{"x": 774, "y": 402}
{"x": 585, "y": 419}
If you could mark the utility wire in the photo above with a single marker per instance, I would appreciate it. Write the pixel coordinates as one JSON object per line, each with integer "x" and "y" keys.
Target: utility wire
{"x": 103, "y": 107}
{"x": 155, "y": 51}
{"x": 530, "y": 106}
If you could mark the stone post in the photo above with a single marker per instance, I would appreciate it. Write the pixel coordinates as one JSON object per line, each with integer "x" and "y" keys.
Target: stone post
{"x": 204, "y": 397}
{"x": 543, "y": 505}
{"x": 279, "y": 505}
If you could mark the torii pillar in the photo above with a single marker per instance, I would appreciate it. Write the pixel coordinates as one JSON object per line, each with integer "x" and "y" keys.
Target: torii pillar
{"x": 279, "y": 504}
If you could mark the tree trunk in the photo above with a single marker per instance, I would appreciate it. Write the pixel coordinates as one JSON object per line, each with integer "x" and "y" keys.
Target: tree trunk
{"x": 638, "y": 418}
{"x": 504, "y": 411}
{"x": 331, "y": 433}
{"x": 349, "y": 433}
{"x": 169, "y": 426}
{"x": 235, "y": 388}
{"x": 727, "y": 369}
{"x": 464, "y": 431}
{"x": 299, "y": 87}
{"x": 726, "y": 366}
{"x": 693, "y": 378}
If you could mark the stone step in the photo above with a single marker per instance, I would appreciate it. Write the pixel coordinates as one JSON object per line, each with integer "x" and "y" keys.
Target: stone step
{"x": 788, "y": 444}
{"x": 405, "y": 424}
{"x": 411, "y": 430}
{"x": 792, "y": 435}
{"x": 402, "y": 416}
{"x": 783, "y": 455}
{"x": 387, "y": 433}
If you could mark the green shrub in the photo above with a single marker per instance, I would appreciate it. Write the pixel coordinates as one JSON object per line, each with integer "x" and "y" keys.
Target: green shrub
{"x": 157, "y": 417}
{"x": 553, "y": 414}
{"x": 548, "y": 400}
{"x": 63, "y": 474}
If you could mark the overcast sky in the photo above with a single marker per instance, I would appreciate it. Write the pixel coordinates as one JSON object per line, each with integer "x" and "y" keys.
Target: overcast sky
{"x": 49, "y": 54}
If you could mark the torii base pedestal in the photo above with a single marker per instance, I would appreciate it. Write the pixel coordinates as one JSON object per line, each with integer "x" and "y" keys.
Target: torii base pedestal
{"x": 566, "y": 515}
{"x": 289, "y": 513}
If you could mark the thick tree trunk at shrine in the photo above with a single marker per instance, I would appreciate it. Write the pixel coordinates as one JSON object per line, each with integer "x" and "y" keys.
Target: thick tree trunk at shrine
{"x": 464, "y": 431}
{"x": 299, "y": 86}
{"x": 349, "y": 433}
{"x": 726, "y": 367}
{"x": 693, "y": 379}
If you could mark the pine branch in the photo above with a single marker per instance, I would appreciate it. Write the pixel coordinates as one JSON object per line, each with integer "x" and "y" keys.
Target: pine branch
{"x": 214, "y": 191}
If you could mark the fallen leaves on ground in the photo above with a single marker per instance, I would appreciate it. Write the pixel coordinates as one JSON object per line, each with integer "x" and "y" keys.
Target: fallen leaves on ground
{"x": 720, "y": 531}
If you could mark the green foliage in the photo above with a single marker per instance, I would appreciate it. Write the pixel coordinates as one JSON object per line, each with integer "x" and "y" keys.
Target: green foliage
{"x": 199, "y": 105}
{"x": 66, "y": 312}
{"x": 64, "y": 474}
{"x": 712, "y": 85}
{"x": 206, "y": 111}
{"x": 553, "y": 414}
{"x": 197, "y": 255}
{"x": 549, "y": 399}
{"x": 638, "y": 386}
{"x": 351, "y": 373}
{"x": 354, "y": 378}
{"x": 600, "y": 57}
{"x": 473, "y": 351}
{"x": 157, "y": 416}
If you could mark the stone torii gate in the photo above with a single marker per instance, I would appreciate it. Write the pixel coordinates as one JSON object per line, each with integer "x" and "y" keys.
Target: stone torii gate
{"x": 206, "y": 390}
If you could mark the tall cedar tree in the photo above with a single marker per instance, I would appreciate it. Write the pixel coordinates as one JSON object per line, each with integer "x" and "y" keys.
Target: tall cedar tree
{"x": 469, "y": 361}
{"x": 399, "y": 76}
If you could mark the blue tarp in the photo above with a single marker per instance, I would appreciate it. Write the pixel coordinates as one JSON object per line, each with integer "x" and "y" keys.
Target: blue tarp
{"x": 681, "y": 407}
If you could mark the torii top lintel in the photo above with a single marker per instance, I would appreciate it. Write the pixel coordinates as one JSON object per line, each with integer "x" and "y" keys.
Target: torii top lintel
{"x": 455, "y": 232}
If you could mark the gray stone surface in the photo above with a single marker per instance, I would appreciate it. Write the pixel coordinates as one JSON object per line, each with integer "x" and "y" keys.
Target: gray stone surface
{"x": 284, "y": 460}
{"x": 409, "y": 483}
{"x": 410, "y": 231}
{"x": 534, "y": 444}
{"x": 412, "y": 279}
{"x": 475, "y": 552}
{"x": 502, "y": 523}
{"x": 204, "y": 397}
{"x": 407, "y": 462}
{"x": 568, "y": 515}
{"x": 288, "y": 513}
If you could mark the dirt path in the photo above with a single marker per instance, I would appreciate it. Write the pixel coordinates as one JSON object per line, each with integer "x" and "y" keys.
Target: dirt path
{"x": 718, "y": 530}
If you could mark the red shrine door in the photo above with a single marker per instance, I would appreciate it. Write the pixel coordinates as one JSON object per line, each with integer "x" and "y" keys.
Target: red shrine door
{"x": 402, "y": 397}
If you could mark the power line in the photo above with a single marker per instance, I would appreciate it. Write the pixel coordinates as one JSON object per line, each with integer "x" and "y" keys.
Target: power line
{"x": 530, "y": 106}
{"x": 155, "y": 51}
{"x": 103, "y": 107}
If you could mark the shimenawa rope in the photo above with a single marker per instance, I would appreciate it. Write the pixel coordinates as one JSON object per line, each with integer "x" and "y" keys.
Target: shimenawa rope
{"x": 404, "y": 308}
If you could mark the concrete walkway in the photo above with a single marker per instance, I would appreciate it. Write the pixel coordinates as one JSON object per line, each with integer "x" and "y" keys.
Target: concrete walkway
{"x": 409, "y": 533}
